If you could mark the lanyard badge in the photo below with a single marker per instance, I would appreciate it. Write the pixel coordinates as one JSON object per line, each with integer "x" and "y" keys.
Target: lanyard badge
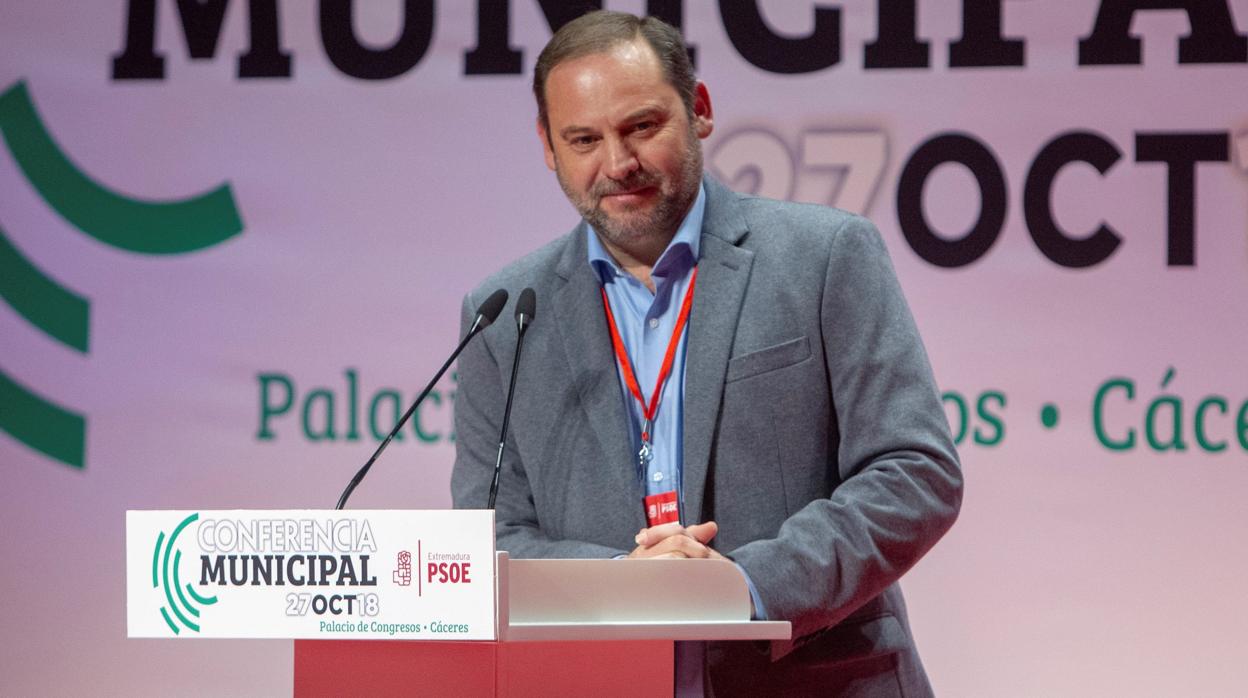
{"x": 650, "y": 409}
{"x": 662, "y": 508}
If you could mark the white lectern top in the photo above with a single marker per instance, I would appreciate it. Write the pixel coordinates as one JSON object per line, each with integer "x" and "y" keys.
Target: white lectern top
{"x": 547, "y": 600}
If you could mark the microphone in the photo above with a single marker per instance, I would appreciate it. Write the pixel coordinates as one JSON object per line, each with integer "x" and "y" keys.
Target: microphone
{"x": 486, "y": 313}
{"x": 526, "y": 308}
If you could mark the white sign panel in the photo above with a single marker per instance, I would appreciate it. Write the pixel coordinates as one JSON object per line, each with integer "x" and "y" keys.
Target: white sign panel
{"x": 409, "y": 575}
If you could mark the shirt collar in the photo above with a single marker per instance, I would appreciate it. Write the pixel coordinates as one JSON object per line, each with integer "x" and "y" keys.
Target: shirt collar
{"x": 679, "y": 256}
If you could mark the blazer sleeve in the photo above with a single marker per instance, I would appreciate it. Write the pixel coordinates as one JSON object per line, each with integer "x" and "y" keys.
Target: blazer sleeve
{"x": 898, "y": 480}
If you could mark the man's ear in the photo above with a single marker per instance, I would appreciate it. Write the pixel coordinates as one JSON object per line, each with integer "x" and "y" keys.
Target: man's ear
{"x": 703, "y": 115}
{"x": 545, "y": 137}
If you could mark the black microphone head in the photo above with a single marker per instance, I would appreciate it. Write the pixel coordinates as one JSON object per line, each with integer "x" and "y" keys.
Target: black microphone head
{"x": 488, "y": 311}
{"x": 526, "y": 306}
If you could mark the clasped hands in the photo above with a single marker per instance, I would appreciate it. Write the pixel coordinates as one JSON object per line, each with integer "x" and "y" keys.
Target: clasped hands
{"x": 672, "y": 540}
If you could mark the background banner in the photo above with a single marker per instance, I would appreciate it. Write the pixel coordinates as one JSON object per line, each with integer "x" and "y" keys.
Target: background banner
{"x": 234, "y": 237}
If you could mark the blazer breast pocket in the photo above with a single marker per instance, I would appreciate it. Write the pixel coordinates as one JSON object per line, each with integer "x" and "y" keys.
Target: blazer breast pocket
{"x": 772, "y": 358}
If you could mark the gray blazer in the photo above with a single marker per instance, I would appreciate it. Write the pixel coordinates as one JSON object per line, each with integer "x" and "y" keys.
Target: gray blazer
{"x": 813, "y": 435}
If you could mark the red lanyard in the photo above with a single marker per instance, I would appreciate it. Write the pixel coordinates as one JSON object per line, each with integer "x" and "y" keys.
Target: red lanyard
{"x": 621, "y": 354}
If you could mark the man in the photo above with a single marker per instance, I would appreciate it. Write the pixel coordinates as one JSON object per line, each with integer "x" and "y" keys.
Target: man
{"x": 798, "y": 431}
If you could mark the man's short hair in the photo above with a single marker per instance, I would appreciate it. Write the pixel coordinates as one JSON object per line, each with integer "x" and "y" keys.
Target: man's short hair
{"x": 598, "y": 32}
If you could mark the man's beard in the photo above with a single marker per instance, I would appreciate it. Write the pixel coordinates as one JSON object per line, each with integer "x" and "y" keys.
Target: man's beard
{"x": 675, "y": 198}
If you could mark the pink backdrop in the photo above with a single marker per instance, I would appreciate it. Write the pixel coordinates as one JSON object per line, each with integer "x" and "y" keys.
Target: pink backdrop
{"x": 369, "y": 207}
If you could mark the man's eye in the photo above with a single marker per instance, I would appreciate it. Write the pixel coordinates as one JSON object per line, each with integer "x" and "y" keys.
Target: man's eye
{"x": 644, "y": 126}
{"x": 583, "y": 141}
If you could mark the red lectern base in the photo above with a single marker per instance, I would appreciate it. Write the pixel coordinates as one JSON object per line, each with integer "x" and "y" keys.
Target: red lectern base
{"x": 514, "y": 669}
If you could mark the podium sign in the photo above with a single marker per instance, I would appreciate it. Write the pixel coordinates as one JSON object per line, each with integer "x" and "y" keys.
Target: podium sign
{"x": 311, "y": 574}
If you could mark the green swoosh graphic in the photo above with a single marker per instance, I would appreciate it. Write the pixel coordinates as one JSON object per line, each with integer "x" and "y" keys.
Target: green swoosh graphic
{"x": 177, "y": 584}
{"x": 42, "y": 425}
{"x": 149, "y": 227}
{"x": 48, "y": 305}
{"x": 205, "y": 600}
{"x": 164, "y": 574}
{"x": 172, "y": 626}
{"x": 155, "y": 557}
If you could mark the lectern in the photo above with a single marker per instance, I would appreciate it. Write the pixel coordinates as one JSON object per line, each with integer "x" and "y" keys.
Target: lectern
{"x": 419, "y": 603}
{"x": 564, "y": 627}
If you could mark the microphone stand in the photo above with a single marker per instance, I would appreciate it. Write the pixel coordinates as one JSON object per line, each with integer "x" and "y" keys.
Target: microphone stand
{"x": 480, "y": 323}
{"x": 525, "y": 308}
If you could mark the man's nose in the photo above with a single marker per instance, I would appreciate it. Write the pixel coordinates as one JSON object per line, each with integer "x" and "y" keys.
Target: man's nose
{"x": 621, "y": 160}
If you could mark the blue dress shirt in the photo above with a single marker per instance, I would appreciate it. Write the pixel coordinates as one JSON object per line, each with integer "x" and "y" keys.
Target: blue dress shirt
{"x": 645, "y": 322}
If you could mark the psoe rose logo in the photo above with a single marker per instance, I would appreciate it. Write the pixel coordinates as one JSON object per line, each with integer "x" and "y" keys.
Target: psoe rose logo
{"x": 403, "y": 569}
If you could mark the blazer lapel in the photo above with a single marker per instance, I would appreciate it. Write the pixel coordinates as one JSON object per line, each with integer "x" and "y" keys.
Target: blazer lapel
{"x": 587, "y": 345}
{"x": 723, "y": 275}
